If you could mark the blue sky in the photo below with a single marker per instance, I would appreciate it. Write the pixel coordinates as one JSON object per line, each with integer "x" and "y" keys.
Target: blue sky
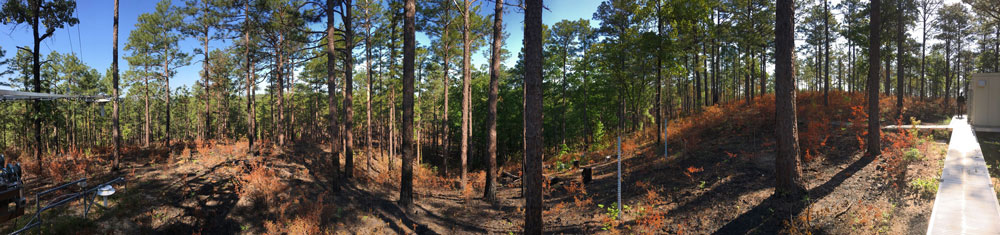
{"x": 91, "y": 39}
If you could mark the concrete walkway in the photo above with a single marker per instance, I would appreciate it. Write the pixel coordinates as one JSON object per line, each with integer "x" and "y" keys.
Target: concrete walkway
{"x": 965, "y": 202}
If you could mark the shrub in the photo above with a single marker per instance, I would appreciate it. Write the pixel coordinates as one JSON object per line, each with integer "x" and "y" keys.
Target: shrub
{"x": 598, "y": 136}
{"x": 914, "y": 155}
{"x": 651, "y": 220}
{"x": 299, "y": 216}
{"x": 428, "y": 178}
{"x": 926, "y": 187}
{"x": 260, "y": 184}
{"x": 610, "y": 218}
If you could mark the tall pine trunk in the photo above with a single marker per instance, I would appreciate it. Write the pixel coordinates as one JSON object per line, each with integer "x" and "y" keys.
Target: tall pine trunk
{"x": 115, "y": 129}
{"x": 659, "y": 77}
{"x": 145, "y": 99}
{"x": 409, "y": 54}
{"x": 166, "y": 79}
{"x": 466, "y": 92}
{"x": 250, "y": 83}
{"x": 787, "y": 170}
{"x": 331, "y": 84}
{"x": 445, "y": 79}
{"x": 207, "y": 89}
{"x": 368, "y": 91}
{"x": 900, "y": 37}
{"x": 874, "y": 53}
{"x": 947, "y": 73}
{"x": 37, "y": 79}
{"x": 490, "y": 191}
{"x": 348, "y": 92}
{"x": 533, "y": 117}
{"x": 923, "y": 61}
{"x": 826, "y": 54}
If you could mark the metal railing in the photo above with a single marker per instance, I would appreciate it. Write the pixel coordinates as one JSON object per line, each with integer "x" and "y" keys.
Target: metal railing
{"x": 88, "y": 195}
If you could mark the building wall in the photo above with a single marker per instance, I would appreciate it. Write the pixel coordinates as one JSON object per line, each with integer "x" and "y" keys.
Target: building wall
{"x": 984, "y": 100}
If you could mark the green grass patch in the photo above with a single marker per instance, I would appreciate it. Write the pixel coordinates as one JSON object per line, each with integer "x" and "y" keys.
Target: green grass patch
{"x": 926, "y": 187}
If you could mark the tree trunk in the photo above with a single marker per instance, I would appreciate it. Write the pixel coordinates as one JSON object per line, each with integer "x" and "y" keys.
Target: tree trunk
{"x": 446, "y": 134}
{"x": 788, "y": 179}
{"x": 368, "y": 91}
{"x": 659, "y": 77}
{"x": 115, "y": 129}
{"x": 37, "y": 79}
{"x": 826, "y": 54}
{"x": 466, "y": 93}
{"x": 348, "y": 92}
{"x": 250, "y": 81}
{"x": 586, "y": 114}
{"x": 763, "y": 72}
{"x": 208, "y": 103}
{"x": 490, "y": 191}
{"x": 840, "y": 72}
{"x": 562, "y": 100}
{"x": 533, "y": 117}
{"x": 392, "y": 97}
{"x": 888, "y": 76}
{"x": 900, "y": 37}
{"x": 166, "y": 79}
{"x": 923, "y": 62}
{"x": 409, "y": 53}
{"x": 947, "y": 73}
{"x": 280, "y": 75}
{"x": 874, "y": 53}
{"x": 145, "y": 99}
{"x": 697, "y": 80}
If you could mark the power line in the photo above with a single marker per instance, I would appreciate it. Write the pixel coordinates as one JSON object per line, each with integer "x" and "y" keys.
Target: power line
{"x": 71, "y": 50}
{"x": 78, "y": 38}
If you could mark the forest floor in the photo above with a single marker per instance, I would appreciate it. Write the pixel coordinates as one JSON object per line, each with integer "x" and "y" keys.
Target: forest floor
{"x": 713, "y": 182}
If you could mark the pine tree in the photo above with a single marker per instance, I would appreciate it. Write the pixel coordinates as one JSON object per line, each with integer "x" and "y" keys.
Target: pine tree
{"x": 41, "y": 14}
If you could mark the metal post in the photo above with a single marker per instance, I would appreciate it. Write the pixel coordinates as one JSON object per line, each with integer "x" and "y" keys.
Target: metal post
{"x": 619, "y": 177}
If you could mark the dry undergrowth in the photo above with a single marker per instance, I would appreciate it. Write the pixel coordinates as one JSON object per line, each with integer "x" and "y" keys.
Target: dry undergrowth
{"x": 60, "y": 167}
{"x": 260, "y": 184}
{"x": 298, "y": 216}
